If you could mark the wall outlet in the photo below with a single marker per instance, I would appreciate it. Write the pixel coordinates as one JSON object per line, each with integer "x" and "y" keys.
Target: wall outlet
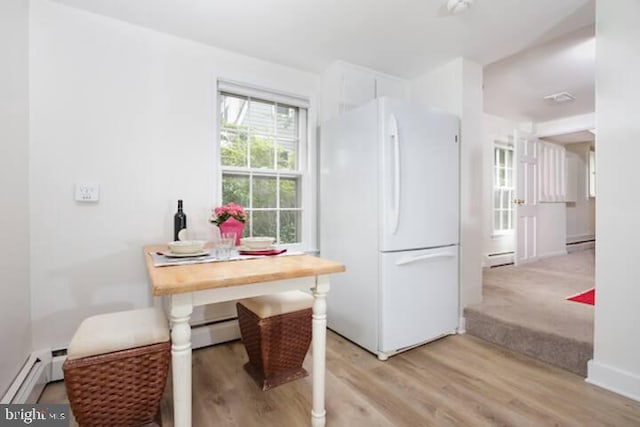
{"x": 87, "y": 192}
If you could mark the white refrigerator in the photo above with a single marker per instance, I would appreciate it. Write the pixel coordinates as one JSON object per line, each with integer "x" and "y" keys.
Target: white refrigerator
{"x": 389, "y": 210}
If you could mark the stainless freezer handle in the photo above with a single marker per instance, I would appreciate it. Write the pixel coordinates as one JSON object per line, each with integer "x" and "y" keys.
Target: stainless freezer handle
{"x": 393, "y": 132}
{"x": 411, "y": 260}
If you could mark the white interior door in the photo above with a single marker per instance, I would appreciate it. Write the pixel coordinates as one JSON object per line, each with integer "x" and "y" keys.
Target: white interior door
{"x": 526, "y": 203}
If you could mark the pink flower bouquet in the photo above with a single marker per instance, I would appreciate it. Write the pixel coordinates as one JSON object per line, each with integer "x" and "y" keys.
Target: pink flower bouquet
{"x": 230, "y": 210}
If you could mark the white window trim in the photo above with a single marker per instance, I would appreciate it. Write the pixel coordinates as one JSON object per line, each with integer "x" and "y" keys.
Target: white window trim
{"x": 501, "y": 234}
{"x": 591, "y": 172}
{"x": 307, "y": 157}
{"x": 498, "y": 234}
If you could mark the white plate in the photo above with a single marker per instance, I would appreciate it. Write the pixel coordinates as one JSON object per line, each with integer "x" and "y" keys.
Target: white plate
{"x": 246, "y": 248}
{"x": 174, "y": 255}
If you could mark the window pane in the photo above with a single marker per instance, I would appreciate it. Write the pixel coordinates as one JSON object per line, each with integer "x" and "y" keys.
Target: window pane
{"x": 233, "y": 148}
{"x": 262, "y": 153}
{"x": 289, "y": 197}
{"x": 262, "y": 117}
{"x": 233, "y": 111}
{"x": 505, "y": 200}
{"x": 290, "y": 226}
{"x": 235, "y": 188}
{"x": 503, "y": 177}
{"x": 287, "y": 155}
{"x": 264, "y": 223}
{"x": 259, "y": 138}
{"x": 287, "y": 119}
{"x": 264, "y": 192}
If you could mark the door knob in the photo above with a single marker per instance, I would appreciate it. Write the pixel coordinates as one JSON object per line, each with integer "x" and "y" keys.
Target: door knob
{"x": 518, "y": 201}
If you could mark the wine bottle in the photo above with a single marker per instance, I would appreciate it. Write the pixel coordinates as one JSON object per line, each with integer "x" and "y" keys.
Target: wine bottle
{"x": 179, "y": 221}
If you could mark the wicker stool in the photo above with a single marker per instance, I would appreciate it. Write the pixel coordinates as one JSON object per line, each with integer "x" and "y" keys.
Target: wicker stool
{"x": 116, "y": 368}
{"x": 276, "y": 332}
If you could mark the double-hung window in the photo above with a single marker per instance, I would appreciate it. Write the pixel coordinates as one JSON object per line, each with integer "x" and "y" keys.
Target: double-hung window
{"x": 263, "y": 152}
{"x": 503, "y": 189}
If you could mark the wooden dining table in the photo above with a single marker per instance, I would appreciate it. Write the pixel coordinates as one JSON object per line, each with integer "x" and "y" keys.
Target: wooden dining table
{"x": 187, "y": 286}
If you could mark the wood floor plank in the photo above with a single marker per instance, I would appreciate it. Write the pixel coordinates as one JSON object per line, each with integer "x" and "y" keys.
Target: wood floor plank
{"x": 455, "y": 381}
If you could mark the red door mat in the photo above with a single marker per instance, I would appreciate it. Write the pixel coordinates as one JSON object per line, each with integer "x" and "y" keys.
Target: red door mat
{"x": 586, "y": 297}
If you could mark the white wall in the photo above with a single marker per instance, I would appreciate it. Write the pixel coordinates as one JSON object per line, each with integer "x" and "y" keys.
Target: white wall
{"x": 616, "y": 358}
{"x": 456, "y": 87}
{"x": 581, "y": 218}
{"x": 133, "y": 110}
{"x": 345, "y": 86}
{"x": 15, "y": 328}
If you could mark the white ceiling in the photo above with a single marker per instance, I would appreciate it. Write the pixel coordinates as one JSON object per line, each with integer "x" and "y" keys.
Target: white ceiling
{"x": 515, "y": 87}
{"x": 401, "y": 37}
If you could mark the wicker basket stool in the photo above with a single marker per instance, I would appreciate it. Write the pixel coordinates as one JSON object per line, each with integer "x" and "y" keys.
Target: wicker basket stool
{"x": 116, "y": 368}
{"x": 276, "y": 332}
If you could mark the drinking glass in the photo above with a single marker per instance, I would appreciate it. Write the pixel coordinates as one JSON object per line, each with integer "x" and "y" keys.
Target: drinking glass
{"x": 225, "y": 244}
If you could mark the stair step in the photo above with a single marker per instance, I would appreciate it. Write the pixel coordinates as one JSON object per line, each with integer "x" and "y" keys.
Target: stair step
{"x": 563, "y": 352}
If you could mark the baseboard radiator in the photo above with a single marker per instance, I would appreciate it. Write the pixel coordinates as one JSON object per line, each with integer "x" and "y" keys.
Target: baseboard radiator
{"x": 498, "y": 259}
{"x": 581, "y": 245}
{"x": 31, "y": 380}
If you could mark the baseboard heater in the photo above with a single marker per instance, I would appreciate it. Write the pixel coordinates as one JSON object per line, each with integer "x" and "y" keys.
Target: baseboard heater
{"x": 31, "y": 380}
{"x": 202, "y": 335}
{"x": 580, "y": 242}
{"x": 499, "y": 259}
{"x": 580, "y": 245}
{"x": 214, "y": 333}
{"x": 45, "y": 366}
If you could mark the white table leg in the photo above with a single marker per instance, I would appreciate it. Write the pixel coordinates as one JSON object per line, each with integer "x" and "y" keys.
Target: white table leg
{"x": 181, "y": 309}
{"x": 319, "y": 337}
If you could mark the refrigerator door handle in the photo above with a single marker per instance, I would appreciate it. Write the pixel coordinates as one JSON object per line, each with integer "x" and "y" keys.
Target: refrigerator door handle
{"x": 393, "y": 133}
{"x": 411, "y": 260}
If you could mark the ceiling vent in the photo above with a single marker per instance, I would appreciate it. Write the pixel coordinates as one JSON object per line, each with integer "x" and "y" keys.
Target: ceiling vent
{"x": 458, "y": 6}
{"x": 560, "y": 97}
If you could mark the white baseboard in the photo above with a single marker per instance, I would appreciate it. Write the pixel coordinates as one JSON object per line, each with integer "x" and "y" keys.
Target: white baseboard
{"x": 616, "y": 380}
{"x": 462, "y": 325}
{"x": 56, "y": 368}
{"x": 580, "y": 238}
{"x": 31, "y": 379}
{"x": 41, "y": 368}
{"x": 491, "y": 260}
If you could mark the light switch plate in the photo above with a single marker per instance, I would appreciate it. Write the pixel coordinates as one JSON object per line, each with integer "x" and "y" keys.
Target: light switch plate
{"x": 87, "y": 192}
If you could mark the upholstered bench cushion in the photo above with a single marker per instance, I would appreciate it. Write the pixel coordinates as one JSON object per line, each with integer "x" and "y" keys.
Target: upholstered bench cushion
{"x": 122, "y": 330}
{"x": 275, "y": 304}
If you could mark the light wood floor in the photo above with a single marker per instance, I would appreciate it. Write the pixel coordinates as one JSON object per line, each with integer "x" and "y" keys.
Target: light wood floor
{"x": 456, "y": 381}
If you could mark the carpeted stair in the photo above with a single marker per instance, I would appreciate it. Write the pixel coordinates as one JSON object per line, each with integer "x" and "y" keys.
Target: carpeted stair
{"x": 525, "y": 309}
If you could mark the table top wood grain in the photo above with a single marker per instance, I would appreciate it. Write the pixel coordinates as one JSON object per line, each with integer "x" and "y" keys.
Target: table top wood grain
{"x": 195, "y": 277}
